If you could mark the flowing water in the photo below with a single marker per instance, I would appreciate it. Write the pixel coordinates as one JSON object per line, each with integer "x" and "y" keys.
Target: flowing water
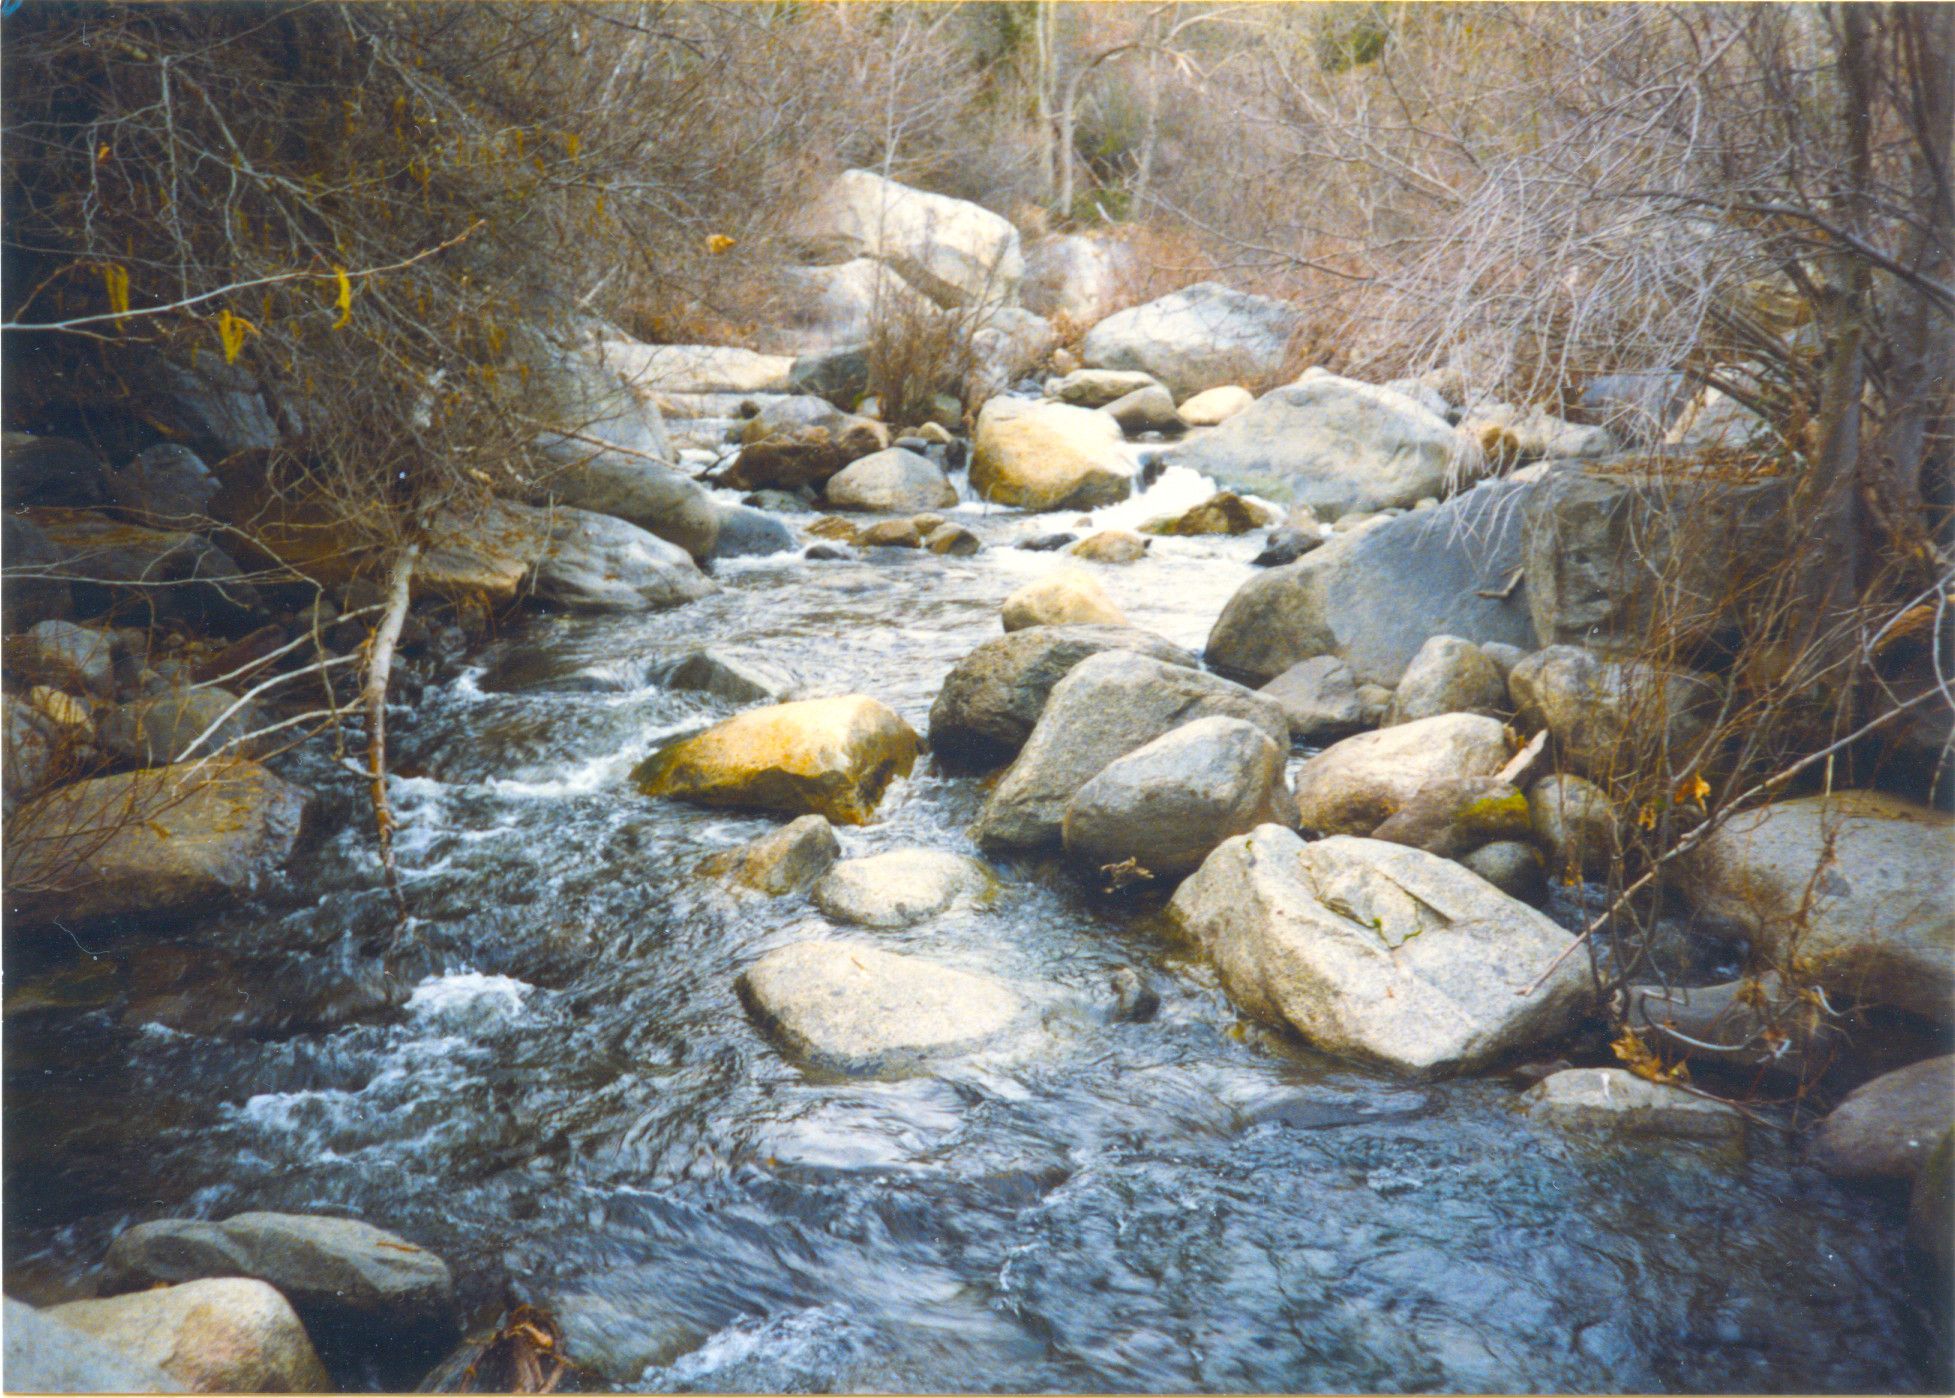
{"x": 552, "y": 1083}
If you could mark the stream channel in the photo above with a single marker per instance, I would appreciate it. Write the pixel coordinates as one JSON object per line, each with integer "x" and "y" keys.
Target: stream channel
{"x": 552, "y": 1083}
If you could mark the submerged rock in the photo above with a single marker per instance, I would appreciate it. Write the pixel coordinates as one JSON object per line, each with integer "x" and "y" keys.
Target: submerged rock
{"x": 851, "y": 1008}
{"x": 1378, "y": 951}
{"x": 1071, "y": 597}
{"x": 1110, "y": 546}
{"x": 1612, "y": 1099}
{"x": 1167, "y": 803}
{"x": 831, "y": 757}
{"x": 784, "y": 862}
{"x": 902, "y": 886}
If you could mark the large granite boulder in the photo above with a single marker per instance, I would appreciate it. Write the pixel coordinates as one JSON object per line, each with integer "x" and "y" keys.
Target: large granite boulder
{"x": 1855, "y": 886}
{"x": 992, "y": 698}
{"x": 164, "y": 839}
{"x": 849, "y": 1008}
{"x": 34, "y": 592}
{"x": 221, "y": 1335}
{"x": 952, "y": 251}
{"x": 1048, "y": 456}
{"x": 1108, "y": 705}
{"x": 1334, "y": 444}
{"x": 652, "y": 496}
{"x": 843, "y": 304}
{"x": 1448, "y": 676}
{"x": 1374, "y": 596}
{"x": 1198, "y": 337}
{"x": 45, "y": 1356}
{"x": 1167, "y": 803}
{"x": 831, "y": 757}
{"x": 1885, "y": 1129}
{"x": 1353, "y": 786}
{"x": 158, "y": 729}
{"x": 595, "y": 563}
{"x": 1379, "y": 952}
{"x": 1604, "y": 714}
{"x": 896, "y": 481}
{"x": 1075, "y": 276}
{"x": 1610, "y": 554}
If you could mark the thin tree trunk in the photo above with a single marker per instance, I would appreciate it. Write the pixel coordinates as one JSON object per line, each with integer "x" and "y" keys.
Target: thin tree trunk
{"x": 380, "y": 666}
{"x": 1828, "y": 496}
{"x": 1913, "y": 440}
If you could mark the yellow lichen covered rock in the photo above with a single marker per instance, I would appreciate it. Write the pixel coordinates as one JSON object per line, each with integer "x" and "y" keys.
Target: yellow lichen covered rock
{"x": 1070, "y": 597}
{"x": 1048, "y": 456}
{"x": 831, "y": 757}
{"x": 159, "y": 840}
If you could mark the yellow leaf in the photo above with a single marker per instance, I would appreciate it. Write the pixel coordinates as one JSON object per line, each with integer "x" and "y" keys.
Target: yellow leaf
{"x": 116, "y": 281}
{"x": 1640, "y": 1059}
{"x": 101, "y": 153}
{"x": 231, "y": 331}
{"x": 1646, "y": 817}
{"x": 345, "y": 298}
{"x": 573, "y": 144}
{"x": 717, "y": 243}
{"x": 1693, "y": 789}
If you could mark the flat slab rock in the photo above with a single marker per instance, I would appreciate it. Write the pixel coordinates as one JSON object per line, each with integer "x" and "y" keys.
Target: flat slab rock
{"x": 853, "y": 1009}
{"x": 902, "y": 886}
{"x": 316, "y": 1262}
{"x": 1586, "y": 1099}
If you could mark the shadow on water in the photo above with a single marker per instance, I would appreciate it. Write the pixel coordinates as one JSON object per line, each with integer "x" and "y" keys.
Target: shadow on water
{"x": 551, "y": 1082}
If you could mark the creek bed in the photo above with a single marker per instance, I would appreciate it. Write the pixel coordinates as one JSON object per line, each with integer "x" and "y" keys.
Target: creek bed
{"x": 551, "y": 1082}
